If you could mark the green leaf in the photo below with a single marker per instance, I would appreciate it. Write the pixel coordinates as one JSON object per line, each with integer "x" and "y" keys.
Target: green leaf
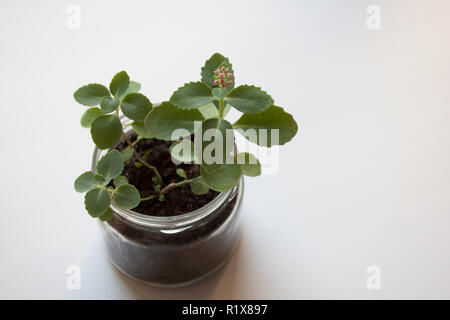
{"x": 106, "y": 131}
{"x": 219, "y": 93}
{"x": 119, "y": 84}
{"x": 109, "y": 104}
{"x": 273, "y": 118}
{"x": 97, "y": 201}
{"x": 209, "y": 110}
{"x": 141, "y": 130}
{"x": 110, "y": 165}
{"x": 181, "y": 173}
{"x": 107, "y": 215}
{"x": 166, "y": 118}
{"x": 146, "y": 154}
{"x": 133, "y": 87}
{"x": 217, "y": 140}
{"x": 127, "y": 197}
{"x": 192, "y": 95}
{"x": 136, "y": 106}
{"x": 89, "y": 116}
{"x": 120, "y": 180}
{"x": 198, "y": 186}
{"x": 212, "y": 64}
{"x": 85, "y": 182}
{"x": 221, "y": 177}
{"x": 99, "y": 179}
{"x": 127, "y": 153}
{"x": 91, "y": 94}
{"x": 250, "y": 165}
{"x": 226, "y": 109}
{"x": 183, "y": 151}
{"x": 249, "y": 99}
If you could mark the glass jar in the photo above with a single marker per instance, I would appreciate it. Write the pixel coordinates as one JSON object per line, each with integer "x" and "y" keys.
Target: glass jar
{"x": 173, "y": 250}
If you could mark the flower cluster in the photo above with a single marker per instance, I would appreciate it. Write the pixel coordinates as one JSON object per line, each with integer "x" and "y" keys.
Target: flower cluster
{"x": 222, "y": 77}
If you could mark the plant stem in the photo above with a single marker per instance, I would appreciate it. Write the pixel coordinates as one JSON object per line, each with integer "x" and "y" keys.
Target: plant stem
{"x": 220, "y": 108}
{"x": 139, "y": 158}
{"x": 148, "y": 198}
{"x": 174, "y": 185}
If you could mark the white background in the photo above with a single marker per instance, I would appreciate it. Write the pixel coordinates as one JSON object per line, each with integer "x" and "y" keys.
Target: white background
{"x": 365, "y": 182}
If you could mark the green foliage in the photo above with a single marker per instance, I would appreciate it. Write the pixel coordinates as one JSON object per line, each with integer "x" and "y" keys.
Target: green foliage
{"x": 99, "y": 179}
{"x": 212, "y": 64}
{"x": 89, "y": 116}
{"x": 127, "y": 197}
{"x": 136, "y": 106}
{"x": 221, "y": 177}
{"x": 141, "y": 130}
{"x": 109, "y": 104}
{"x": 219, "y": 93}
{"x": 85, "y": 182}
{"x": 106, "y": 131}
{"x": 183, "y": 151}
{"x": 127, "y": 153}
{"x": 97, "y": 201}
{"x": 249, "y": 99}
{"x": 133, "y": 87}
{"x": 273, "y": 118}
{"x": 111, "y": 165}
{"x": 209, "y": 111}
{"x": 181, "y": 173}
{"x": 107, "y": 215}
{"x": 99, "y": 194}
{"x": 221, "y": 142}
{"x": 91, "y": 94}
{"x": 166, "y": 118}
{"x": 120, "y": 180}
{"x": 206, "y": 101}
{"x": 119, "y": 84}
{"x": 250, "y": 166}
{"x": 198, "y": 186}
{"x": 192, "y": 96}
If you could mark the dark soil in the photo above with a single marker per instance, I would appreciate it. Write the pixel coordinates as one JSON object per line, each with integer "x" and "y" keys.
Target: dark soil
{"x": 177, "y": 201}
{"x": 173, "y": 258}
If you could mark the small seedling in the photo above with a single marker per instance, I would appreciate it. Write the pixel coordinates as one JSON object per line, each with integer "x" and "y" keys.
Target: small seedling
{"x": 208, "y": 102}
{"x": 99, "y": 194}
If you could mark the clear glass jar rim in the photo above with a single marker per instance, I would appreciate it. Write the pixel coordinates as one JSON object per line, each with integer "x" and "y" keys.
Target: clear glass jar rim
{"x": 170, "y": 222}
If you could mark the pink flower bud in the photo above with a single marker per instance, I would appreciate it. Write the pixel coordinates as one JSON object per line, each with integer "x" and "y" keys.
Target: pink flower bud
{"x": 216, "y": 82}
{"x": 229, "y": 75}
{"x": 223, "y": 68}
{"x": 217, "y": 71}
{"x": 230, "y": 83}
{"x": 221, "y": 75}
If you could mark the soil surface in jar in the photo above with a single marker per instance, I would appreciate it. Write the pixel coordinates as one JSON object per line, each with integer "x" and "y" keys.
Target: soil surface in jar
{"x": 177, "y": 201}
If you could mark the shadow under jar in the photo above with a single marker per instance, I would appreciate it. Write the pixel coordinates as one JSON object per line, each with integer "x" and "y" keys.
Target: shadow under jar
{"x": 173, "y": 250}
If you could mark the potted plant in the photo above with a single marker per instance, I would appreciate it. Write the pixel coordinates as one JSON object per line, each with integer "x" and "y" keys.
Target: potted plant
{"x": 166, "y": 179}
